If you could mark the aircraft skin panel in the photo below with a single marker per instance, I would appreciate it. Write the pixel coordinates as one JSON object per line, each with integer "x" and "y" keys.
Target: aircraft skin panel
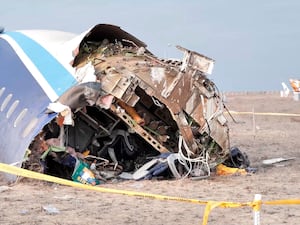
{"x": 32, "y": 68}
{"x": 22, "y": 115}
{"x": 48, "y": 71}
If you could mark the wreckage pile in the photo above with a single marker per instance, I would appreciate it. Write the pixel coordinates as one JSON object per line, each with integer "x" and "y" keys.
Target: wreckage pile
{"x": 134, "y": 116}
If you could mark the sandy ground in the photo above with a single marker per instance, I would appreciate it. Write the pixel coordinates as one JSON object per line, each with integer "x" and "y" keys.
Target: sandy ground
{"x": 261, "y": 137}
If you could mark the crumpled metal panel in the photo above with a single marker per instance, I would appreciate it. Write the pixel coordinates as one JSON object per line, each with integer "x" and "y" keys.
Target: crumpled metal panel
{"x": 120, "y": 87}
{"x": 180, "y": 87}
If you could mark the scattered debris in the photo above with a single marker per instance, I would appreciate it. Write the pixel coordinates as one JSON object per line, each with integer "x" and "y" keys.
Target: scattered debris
{"x": 237, "y": 163}
{"x": 237, "y": 159}
{"x": 295, "y": 83}
{"x": 285, "y": 92}
{"x": 296, "y": 89}
{"x": 4, "y": 188}
{"x": 50, "y": 209}
{"x": 225, "y": 170}
{"x": 24, "y": 211}
{"x": 83, "y": 174}
{"x": 64, "y": 197}
{"x": 276, "y": 160}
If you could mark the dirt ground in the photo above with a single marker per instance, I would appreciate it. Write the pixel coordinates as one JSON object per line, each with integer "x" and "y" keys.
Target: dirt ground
{"x": 260, "y": 136}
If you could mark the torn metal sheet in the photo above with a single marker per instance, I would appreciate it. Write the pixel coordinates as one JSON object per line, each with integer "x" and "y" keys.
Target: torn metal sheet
{"x": 276, "y": 160}
{"x": 129, "y": 107}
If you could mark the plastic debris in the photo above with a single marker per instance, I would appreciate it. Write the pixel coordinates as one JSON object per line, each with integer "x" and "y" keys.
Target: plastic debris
{"x": 4, "y": 188}
{"x": 50, "y": 209}
{"x": 295, "y": 83}
{"x": 24, "y": 211}
{"x": 225, "y": 170}
{"x": 126, "y": 176}
{"x": 237, "y": 159}
{"x": 276, "y": 160}
{"x": 83, "y": 174}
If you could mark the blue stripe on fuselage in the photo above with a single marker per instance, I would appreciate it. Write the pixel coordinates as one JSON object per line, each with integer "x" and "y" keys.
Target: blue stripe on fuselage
{"x": 56, "y": 75}
{"x": 18, "y": 81}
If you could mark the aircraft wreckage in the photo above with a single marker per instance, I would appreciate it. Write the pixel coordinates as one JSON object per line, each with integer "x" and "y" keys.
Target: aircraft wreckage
{"x": 113, "y": 110}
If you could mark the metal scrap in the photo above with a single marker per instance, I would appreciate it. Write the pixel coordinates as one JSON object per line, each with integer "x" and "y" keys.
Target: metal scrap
{"x": 156, "y": 106}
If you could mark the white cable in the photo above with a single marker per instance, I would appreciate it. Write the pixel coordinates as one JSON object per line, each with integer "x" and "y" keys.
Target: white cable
{"x": 189, "y": 152}
{"x": 183, "y": 159}
{"x": 156, "y": 102}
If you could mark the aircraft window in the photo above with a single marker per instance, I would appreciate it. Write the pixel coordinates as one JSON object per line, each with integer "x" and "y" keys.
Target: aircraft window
{"x": 12, "y": 108}
{"x": 1, "y": 91}
{"x": 29, "y": 127}
{"x": 5, "y": 102}
{"x": 20, "y": 117}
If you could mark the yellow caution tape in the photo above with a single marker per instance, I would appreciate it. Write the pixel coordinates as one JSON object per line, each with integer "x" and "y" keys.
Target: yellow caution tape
{"x": 283, "y": 202}
{"x": 264, "y": 113}
{"x": 256, "y": 205}
{"x": 210, "y": 205}
{"x": 34, "y": 175}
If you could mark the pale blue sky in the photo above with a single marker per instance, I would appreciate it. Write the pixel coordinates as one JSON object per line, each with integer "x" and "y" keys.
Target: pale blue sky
{"x": 255, "y": 43}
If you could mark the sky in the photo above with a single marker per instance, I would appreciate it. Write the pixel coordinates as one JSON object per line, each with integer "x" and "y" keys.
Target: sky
{"x": 255, "y": 44}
